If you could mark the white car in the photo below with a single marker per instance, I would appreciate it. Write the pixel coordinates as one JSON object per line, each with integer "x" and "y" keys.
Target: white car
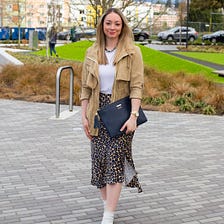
{"x": 178, "y": 33}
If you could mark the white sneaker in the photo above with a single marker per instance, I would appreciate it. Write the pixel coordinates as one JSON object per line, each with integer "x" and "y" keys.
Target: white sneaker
{"x": 108, "y": 218}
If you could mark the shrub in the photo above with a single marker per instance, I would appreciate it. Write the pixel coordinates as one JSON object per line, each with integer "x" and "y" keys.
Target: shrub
{"x": 35, "y": 81}
{"x": 180, "y": 101}
{"x": 209, "y": 110}
{"x": 186, "y": 107}
{"x": 181, "y": 92}
{"x": 200, "y": 104}
{"x": 197, "y": 42}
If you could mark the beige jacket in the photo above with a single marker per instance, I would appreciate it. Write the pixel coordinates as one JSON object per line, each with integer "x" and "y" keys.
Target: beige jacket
{"x": 129, "y": 80}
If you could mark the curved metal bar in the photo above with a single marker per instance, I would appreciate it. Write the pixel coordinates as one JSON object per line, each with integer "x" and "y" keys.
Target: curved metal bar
{"x": 58, "y": 78}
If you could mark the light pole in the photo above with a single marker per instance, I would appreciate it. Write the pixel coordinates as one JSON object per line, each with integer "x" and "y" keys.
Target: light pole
{"x": 48, "y": 25}
{"x": 187, "y": 23}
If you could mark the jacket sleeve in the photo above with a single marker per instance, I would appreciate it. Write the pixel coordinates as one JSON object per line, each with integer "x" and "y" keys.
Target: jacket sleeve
{"x": 85, "y": 90}
{"x": 137, "y": 74}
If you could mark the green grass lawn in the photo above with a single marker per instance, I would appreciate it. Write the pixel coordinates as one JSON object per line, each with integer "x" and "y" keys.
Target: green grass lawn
{"x": 217, "y": 58}
{"x": 72, "y": 51}
{"x": 156, "y": 59}
{"x": 164, "y": 62}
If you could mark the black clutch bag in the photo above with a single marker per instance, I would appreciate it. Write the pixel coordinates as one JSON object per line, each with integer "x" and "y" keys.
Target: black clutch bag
{"x": 115, "y": 114}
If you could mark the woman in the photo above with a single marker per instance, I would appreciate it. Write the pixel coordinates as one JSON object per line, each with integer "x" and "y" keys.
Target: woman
{"x": 113, "y": 69}
{"x": 52, "y": 41}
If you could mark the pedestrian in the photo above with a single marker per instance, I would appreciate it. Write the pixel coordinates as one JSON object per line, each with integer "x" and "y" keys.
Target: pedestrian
{"x": 112, "y": 69}
{"x": 53, "y": 40}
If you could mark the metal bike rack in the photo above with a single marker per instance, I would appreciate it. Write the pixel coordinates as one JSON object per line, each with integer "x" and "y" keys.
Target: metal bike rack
{"x": 71, "y": 89}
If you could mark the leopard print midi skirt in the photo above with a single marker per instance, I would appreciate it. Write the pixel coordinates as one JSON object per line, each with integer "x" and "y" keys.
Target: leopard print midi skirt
{"x": 112, "y": 160}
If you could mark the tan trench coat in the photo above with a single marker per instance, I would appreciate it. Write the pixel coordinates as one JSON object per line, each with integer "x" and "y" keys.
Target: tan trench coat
{"x": 129, "y": 79}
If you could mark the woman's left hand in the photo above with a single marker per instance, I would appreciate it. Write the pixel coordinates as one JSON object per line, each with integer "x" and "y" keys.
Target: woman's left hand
{"x": 130, "y": 125}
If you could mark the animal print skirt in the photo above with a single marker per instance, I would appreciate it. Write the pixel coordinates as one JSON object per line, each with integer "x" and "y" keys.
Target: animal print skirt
{"x": 112, "y": 157}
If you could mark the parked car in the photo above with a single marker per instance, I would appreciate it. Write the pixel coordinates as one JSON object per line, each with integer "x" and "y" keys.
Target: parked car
{"x": 178, "y": 33}
{"x": 140, "y": 35}
{"x": 215, "y": 37}
{"x": 85, "y": 32}
{"x": 76, "y": 34}
{"x": 64, "y": 35}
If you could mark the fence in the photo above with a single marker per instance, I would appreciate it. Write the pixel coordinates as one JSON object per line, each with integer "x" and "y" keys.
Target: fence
{"x": 202, "y": 27}
{"x": 12, "y": 33}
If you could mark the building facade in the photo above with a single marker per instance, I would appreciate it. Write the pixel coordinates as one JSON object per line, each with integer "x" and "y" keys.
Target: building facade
{"x": 35, "y": 14}
{"x": 12, "y": 12}
{"x": 69, "y": 13}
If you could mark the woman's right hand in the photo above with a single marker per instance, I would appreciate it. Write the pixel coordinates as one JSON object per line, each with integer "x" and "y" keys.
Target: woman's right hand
{"x": 85, "y": 121}
{"x": 85, "y": 124}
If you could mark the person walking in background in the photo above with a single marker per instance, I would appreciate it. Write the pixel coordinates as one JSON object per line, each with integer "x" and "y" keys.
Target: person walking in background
{"x": 53, "y": 40}
{"x": 113, "y": 68}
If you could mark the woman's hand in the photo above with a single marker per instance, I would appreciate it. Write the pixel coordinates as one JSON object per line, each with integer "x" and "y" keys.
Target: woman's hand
{"x": 130, "y": 125}
{"x": 85, "y": 124}
{"x": 85, "y": 121}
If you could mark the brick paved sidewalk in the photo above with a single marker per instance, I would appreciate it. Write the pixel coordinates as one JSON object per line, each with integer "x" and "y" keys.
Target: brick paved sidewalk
{"x": 45, "y": 169}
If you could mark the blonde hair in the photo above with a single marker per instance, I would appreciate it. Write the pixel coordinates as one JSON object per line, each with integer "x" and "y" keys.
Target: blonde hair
{"x": 125, "y": 38}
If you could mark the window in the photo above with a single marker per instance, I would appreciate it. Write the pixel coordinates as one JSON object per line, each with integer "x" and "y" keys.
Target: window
{"x": 9, "y": 7}
{"x": 15, "y": 7}
{"x": 15, "y": 19}
{"x": 82, "y": 19}
{"x": 29, "y": 6}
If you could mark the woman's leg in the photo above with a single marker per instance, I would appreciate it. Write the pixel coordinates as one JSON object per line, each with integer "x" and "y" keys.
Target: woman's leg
{"x": 103, "y": 192}
{"x": 50, "y": 46}
{"x": 54, "y": 50}
{"x": 113, "y": 192}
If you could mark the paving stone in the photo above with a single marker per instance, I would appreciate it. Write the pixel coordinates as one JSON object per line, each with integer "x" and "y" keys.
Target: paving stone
{"x": 45, "y": 169}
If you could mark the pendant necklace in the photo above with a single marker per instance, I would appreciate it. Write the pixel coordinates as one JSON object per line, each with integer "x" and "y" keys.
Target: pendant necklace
{"x": 110, "y": 50}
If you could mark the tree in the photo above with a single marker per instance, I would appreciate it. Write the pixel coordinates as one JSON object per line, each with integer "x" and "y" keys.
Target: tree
{"x": 168, "y": 3}
{"x": 206, "y": 12}
{"x": 177, "y": 3}
{"x": 106, "y": 4}
{"x": 221, "y": 2}
{"x": 208, "y": 4}
{"x": 139, "y": 13}
{"x": 98, "y": 7}
{"x": 182, "y": 12}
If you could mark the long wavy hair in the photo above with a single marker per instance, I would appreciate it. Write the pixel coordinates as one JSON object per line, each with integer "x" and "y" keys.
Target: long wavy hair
{"x": 125, "y": 38}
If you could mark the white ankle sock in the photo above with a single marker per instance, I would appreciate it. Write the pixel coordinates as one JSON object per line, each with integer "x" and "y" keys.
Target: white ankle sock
{"x": 104, "y": 204}
{"x": 108, "y": 217}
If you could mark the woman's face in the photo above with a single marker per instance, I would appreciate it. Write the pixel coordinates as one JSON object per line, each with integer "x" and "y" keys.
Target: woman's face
{"x": 112, "y": 26}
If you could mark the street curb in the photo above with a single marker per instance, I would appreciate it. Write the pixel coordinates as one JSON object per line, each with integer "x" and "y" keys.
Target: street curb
{"x": 8, "y": 59}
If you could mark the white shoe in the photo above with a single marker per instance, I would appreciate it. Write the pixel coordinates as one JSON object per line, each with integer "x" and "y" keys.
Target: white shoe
{"x": 108, "y": 218}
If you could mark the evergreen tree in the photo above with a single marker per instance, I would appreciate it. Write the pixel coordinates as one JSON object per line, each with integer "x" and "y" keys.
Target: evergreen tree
{"x": 168, "y": 3}
{"x": 176, "y": 3}
{"x": 205, "y": 12}
{"x": 208, "y": 4}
